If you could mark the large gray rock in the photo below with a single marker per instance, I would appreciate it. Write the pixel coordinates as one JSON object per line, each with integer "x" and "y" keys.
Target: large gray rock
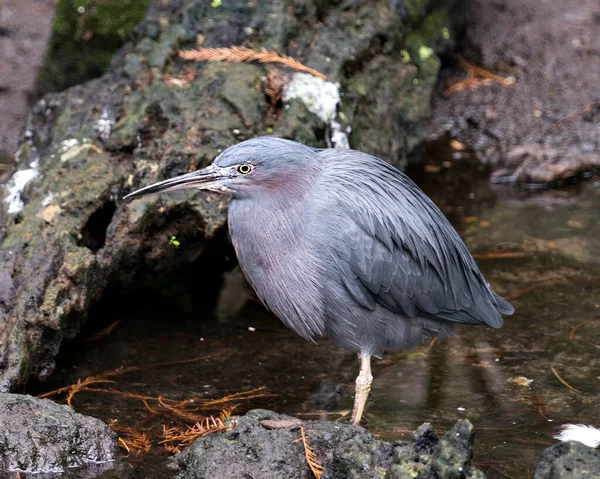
{"x": 264, "y": 445}
{"x": 569, "y": 460}
{"x": 66, "y": 233}
{"x": 40, "y": 436}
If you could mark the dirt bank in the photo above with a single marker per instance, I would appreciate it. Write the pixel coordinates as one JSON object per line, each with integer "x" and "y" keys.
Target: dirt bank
{"x": 546, "y": 127}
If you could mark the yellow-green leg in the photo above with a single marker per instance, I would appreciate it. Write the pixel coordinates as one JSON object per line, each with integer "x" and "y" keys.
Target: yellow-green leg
{"x": 363, "y": 386}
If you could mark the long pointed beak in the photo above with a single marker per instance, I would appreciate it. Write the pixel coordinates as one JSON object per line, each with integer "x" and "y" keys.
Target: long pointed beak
{"x": 201, "y": 179}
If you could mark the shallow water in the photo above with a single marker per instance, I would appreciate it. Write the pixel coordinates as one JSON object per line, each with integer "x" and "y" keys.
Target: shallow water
{"x": 545, "y": 260}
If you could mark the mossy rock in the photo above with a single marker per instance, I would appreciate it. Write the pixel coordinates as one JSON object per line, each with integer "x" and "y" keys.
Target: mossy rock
{"x": 85, "y": 35}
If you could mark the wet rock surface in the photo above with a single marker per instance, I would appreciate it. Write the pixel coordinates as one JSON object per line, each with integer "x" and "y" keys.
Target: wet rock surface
{"x": 544, "y": 165}
{"x": 264, "y": 444}
{"x": 569, "y": 460}
{"x": 551, "y": 51}
{"x": 67, "y": 235}
{"x": 40, "y": 436}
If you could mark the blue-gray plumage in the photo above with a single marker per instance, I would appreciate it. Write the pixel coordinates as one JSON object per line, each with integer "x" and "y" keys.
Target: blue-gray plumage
{"x": 337, "y": 242}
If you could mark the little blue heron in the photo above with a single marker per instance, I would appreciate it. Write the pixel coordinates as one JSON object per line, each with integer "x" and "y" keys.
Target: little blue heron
{"x": 337, "y": 242}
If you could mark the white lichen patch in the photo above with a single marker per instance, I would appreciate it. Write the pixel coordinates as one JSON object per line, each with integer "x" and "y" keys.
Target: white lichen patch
{"x": 322, "y": 98}
{"x": 339, "y": 135}
{"x": 67, "y": 144}
{"x": 588, "y": 435}
{"x": 16, "y": 185}
{"x": 48, "y": 199}
{"x": 69, "y": 149}
{"x": 104, "y": 125}
{"x": 72, "y": 147}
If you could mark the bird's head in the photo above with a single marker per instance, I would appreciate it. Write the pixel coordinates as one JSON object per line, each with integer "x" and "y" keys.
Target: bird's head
{"x": 258, "y": 166}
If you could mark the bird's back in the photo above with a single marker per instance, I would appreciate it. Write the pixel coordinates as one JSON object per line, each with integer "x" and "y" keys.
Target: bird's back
{"x": 395, "y": 269}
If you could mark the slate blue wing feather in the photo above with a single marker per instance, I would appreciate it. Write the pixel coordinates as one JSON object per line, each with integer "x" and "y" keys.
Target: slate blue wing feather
{"x": 395, "y": 248}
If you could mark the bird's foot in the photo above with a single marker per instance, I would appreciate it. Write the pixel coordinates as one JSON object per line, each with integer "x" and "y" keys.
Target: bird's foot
{"x": 362, "y": 389}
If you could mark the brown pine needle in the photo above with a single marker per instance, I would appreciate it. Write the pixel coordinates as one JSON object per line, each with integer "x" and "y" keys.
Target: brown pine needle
{"x": 176, "y": 438}
{"x": 103, "y": 332}
{"x": 130, "y": 439}
{"x": 573, "y": 115}
{"x": 533, "y": 287}
{"x": 574, "y": 330}
{"x": 311, "y": 458}
{"x": 101, "y": 378}
{"x": 476, "y": 77}
{"x": 73, "y": 389}
{"x": 562, "y": 381}
{"x": 243, "y": 54}
{"x": 499, "y": 255}
{"x": 226, "y": 412}
{"x": 180, "y": 412}
{"x": 189, "y": 410}
{"x": 482, "y": 73}
{"x": 135, "y": 369}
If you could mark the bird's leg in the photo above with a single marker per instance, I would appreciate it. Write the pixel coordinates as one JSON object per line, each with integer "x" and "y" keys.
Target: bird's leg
{"x": 363, "y": 386}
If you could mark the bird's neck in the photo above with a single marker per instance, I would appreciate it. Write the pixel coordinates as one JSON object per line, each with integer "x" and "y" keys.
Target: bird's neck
{"x": 277, "y": 256}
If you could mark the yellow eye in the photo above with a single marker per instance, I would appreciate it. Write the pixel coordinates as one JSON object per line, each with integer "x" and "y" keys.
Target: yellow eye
{"x": 244, "y": 169}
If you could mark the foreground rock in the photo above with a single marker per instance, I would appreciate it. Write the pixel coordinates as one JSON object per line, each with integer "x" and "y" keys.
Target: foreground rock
{"x": 569, "y": 460}
{"x": 40, "y": 436}
{"x": 66, "y": 234}
{"x": 264, "y": 444}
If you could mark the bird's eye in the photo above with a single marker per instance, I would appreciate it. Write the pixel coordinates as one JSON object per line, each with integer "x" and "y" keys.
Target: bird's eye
{"x": 244, "y": 169}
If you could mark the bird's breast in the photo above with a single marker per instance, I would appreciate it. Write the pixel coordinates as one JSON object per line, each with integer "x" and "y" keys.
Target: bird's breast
{"x": 279, "y": 261}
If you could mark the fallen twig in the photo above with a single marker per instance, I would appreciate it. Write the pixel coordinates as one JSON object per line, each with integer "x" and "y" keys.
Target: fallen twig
{"x": 432, "y": 343}
{"x": 562, "y": 381}
{"x": 575, "y": 328}
{"x": 533, "y": 287}
{"x": 243, "y": 54}
{"x": 573, "y": 115}
{"x": 499, "y": 255}
{"x": 103, "y": 332}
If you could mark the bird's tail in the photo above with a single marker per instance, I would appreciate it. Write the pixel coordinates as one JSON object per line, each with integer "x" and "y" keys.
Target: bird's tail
{"x": 502, "y": 305}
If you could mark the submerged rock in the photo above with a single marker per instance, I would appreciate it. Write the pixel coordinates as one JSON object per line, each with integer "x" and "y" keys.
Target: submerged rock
{"x": 40, "y": 436}
{"x": 264, "y": 444}
{"x": 568, "y": 460}
{"x": 544, "y": 165}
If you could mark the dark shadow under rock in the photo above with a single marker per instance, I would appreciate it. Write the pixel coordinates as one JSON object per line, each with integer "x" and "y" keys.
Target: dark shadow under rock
{"x": 40, "y": 436}
{"x": 257, "y": 448}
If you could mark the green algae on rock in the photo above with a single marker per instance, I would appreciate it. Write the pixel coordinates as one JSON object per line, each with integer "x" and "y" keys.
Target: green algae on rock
{"x": 85, "y": 36}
